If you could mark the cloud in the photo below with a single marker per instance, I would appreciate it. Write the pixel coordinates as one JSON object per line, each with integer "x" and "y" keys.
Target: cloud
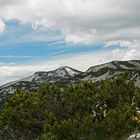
{"x": 12, "y": 71}
{"x": 8, "y": 2}
{"x": 82, "y": 61}
{"x": 109, "y": 22}
{"x": 81, "y": 21}
{"x": 2, "y": 26}
{"x": 15, "y": 56}
{"x": 133, "y": 51}
{"x": 129, "y": 50}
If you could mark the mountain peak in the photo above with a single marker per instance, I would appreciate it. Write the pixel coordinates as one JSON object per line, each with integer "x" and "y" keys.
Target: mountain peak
{"x": 66, "y": 70}
{"x": 67, "y": 74}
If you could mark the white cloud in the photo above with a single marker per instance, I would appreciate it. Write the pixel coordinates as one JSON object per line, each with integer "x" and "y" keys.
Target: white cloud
{"x": 81, "y": 21}
{"x": 82, "y": 61}
{"x": 2, "y": 26}
{"x": 15, "y": 56}
{"x": 133, "y": 51}
{"x": 11, "y": 71}
{"x": 129, "y": 50}
{"x": 120, "y": 43}
{"x": 130, "y": 54}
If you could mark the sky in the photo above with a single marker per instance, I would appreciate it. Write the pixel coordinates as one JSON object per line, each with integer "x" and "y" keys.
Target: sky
{"x": 42, "y": 35}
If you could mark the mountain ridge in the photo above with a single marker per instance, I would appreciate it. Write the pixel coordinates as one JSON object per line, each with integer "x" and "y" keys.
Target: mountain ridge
{"x": 67, "y": 74}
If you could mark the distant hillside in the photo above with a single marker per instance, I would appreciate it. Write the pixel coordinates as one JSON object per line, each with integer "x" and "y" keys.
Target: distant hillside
{"x": 67, "y": 74}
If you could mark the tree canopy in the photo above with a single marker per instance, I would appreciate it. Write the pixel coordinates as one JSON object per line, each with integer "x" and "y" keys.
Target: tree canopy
{"x": 84, "y": 111}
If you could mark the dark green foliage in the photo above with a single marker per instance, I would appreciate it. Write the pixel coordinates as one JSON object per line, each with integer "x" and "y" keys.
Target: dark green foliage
{"x": 82, "y": 111}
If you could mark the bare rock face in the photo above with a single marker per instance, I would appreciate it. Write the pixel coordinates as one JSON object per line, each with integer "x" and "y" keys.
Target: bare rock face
{"x": 67, "y": 74}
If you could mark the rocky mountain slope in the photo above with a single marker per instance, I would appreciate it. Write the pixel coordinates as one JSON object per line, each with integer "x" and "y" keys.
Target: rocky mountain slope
{"x": 66, "y": 74}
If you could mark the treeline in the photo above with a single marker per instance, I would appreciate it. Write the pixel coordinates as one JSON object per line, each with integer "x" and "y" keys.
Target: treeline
{"x": 82, "y": 111}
